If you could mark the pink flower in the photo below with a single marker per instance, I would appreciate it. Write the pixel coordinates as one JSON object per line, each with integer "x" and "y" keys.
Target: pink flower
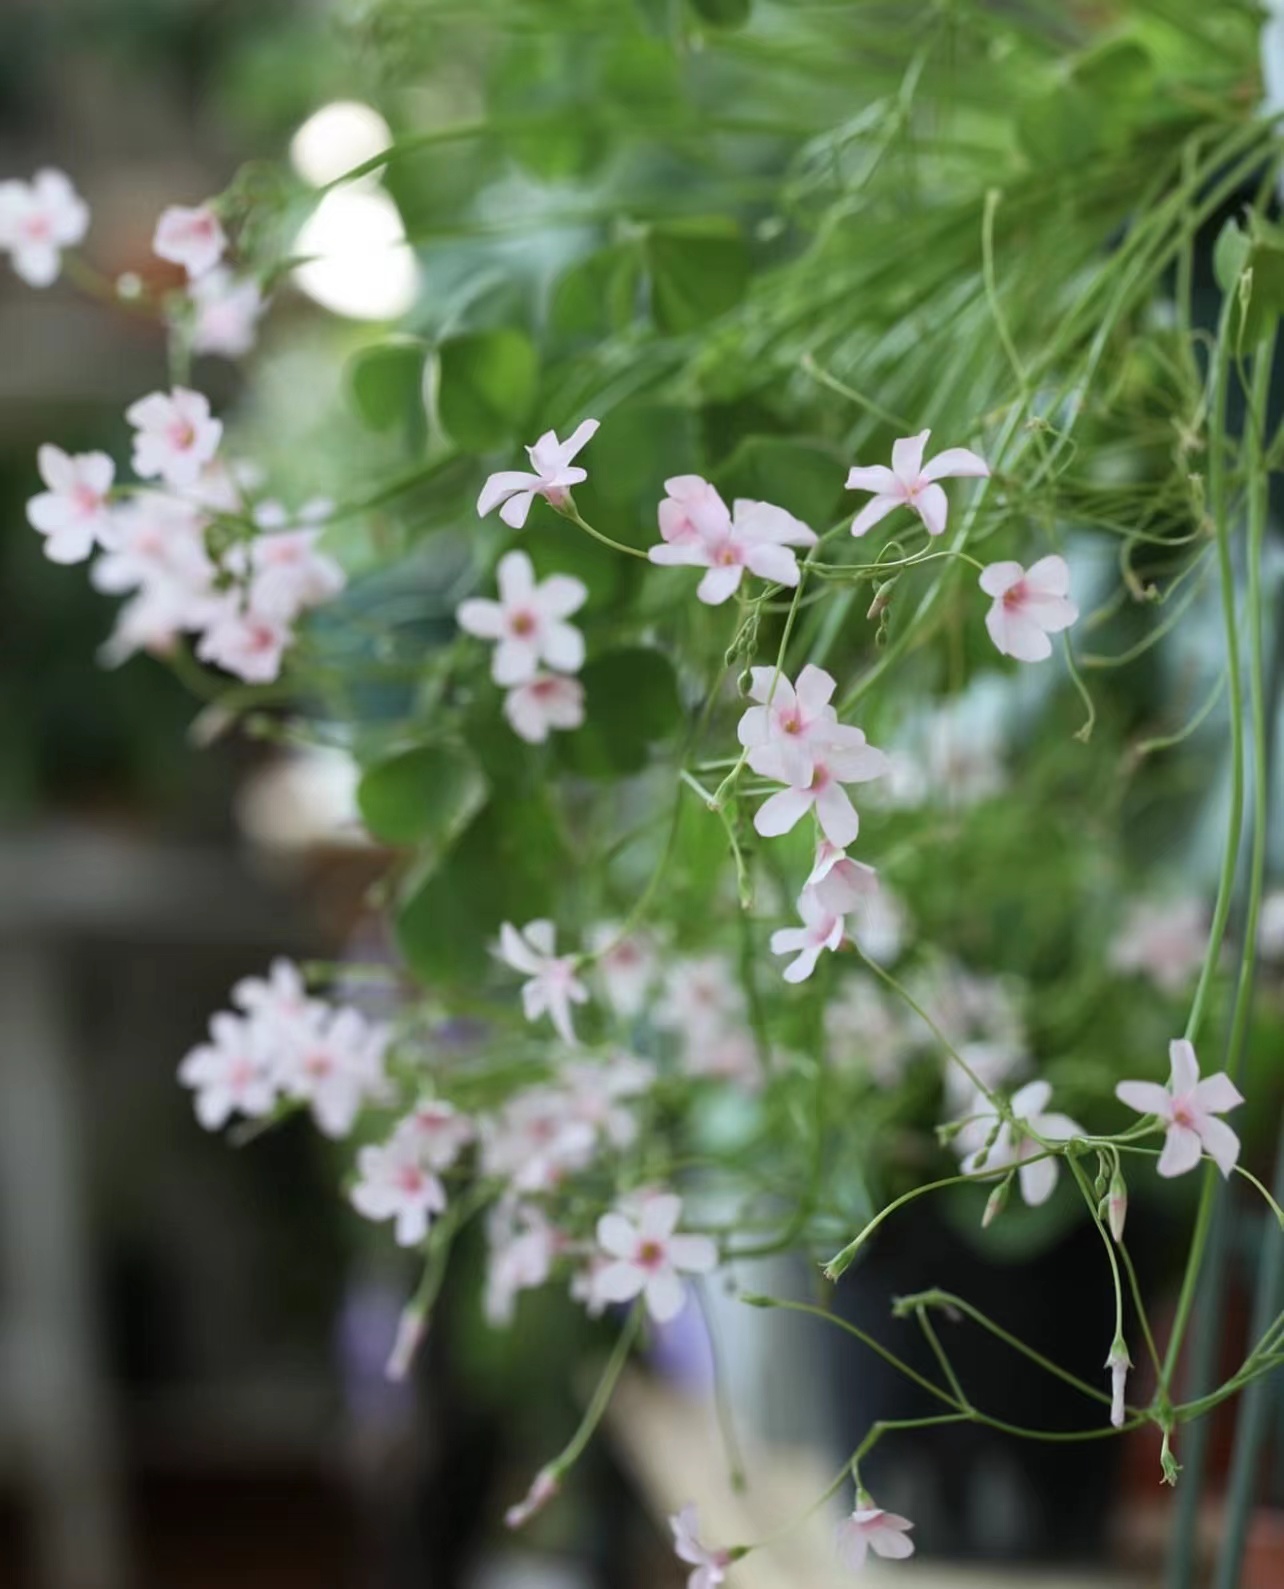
{"x": 701, "y": 997}
{"x": 1188, "y": 1107}
{"x": 230, "y": 1074}
{"x": 542, "y": 1491}
{"x": 244, "y": 642}
{"x": 394, "y": 1182}
{"x": 822, "y": 929}
{"x": 1165, "y": 941}
{"x": 176, "y": 436}
{"x": 840, "y": 884}
{"x": 527, "y": 621}
{"x": 710, "y": 1565}
{"x": 536, "y": 1140}
{"x": 699, "y": 532}
{"x": 728, "y": 1056}
{"x": 625, "y": 965}
{"x": 226, "y": 313}
{"x": 287, "y": 572}
{"x": 911, "y": 483}
{"x": 866, "y": 1028}
{"x": 38, "y": 219}
{"x": 596, "y": 1090}
{"x": 1029, "y": 605}
{"x": 335, "y": 1066}
{"x": 650, "y": 1258}
{"x": 73, "y": 513}
{"x": 513, "y": 491}
{"x": 546, "y": 702}
{"x": 842, "y": 757}
{"x": 523, "y": 1246}
{"x": 792, "y": 719}
{"x": 1118, "y": 1363}
{"x": 1013, "y": 1145}
{"x": 871, "y": 1528}
{"x": 552, "y": 985}
{"x": 190, "y": 237}
{"x": 279, "y": 1002}
{"x": 437, "y": 1131}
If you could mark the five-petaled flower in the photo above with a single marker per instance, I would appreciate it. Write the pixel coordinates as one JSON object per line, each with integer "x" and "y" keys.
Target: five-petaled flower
{"x": 232, "y": 1073}
{"x": 911, "y": 483}
{"x": 191, "y": 236}
{"x": 38, "y": 219}
{"x": 792, "y": 719}
{"x": 528, "y": 622}
{"x": 1016, "y": 1144}
{"x": 73, "y": 514}
{"x": 552, "y": 985}
{"x": 1188, "y": 1107}
{"x": 176, "y": 436}
{"x": 649, "y": 1258}
{"x": 699, "y": 532}
{"x": 1029, "y": 605}
{"x": 710, "y": 1566}
{"x": 871, "y": 1528}
{"x": 513, "y": 490}
{"x": 546, "y": 702}
{"x": 226, "y": 311}
{"x": 396, "y": 1182}
{"x": 822, "y": 929}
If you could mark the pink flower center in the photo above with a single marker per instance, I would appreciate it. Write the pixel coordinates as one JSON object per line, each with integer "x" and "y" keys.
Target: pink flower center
{"x": 1015, "y": 596}
{"x": 240, "y": 1075}
{"x": 791, "y": 723}
{"x": 727, "y": 555}
{"x": 318, "y": 1066}
{"x": 650, "y": 1255}
{"x": 181, "y": 434}
{"x": 544, "y": 689}
{"x": 1183, "y": 1114}
{"x": 36, "y": 228}
{"x": 820, "y": 778}
{"x": 86, "y": 499}
{"x": 258, "y": 637}
{"x": 523, "y": 623}
{"x": 410, "y": 1178}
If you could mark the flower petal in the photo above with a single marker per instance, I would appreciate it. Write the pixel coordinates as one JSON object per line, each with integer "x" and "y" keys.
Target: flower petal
{"x": 720, "y": 583}
{"x": 1217, "y": 1094}
{"x": 1185, "y": 1065}
{"x": 1146, "y": 1097}
{"x": 1221, "y": 1143}
{"x": 617, "y": 1236}
{"x": 873, "y": 477}
{"x": 665, "y": 1296}
{"x": 955, "y": 463}
{"x": 875, "y": 510}
{"x": 1182, "y": 1151}
{"x": 933, "y": 506}
{"x": 996, "y": 578}
{"x": 907, "y": 457}
{"x": 781, "y": 812}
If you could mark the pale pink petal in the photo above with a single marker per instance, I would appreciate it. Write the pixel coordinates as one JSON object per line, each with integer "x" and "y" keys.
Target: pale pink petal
{"x": 1050, "y": 576}
{"x": 1017, "y": 636}
{"x": 1146, "y": 1097}
{"x": 516, "y": 952}
{"x": 1185, "y": 1065}
{"x": 764, "y": 521}
{"x": 1057, "y": 1127}
{"x": 501, "y": 486}
{"x": 1038, "y": 1180}
{"x": 516, "y": 508}
{"x": 659, "y": 1216}
{"x": 814, "y": 689}
{"x": 932, "y": 506}
{"x": 782, "y": 811}
{"x": 836, "y": 814}
{"x": 907, "y": 457}
{"x": 57, "y": 468}
{"x": 719, "y": 583}
{"x": 693, "y": 1254}
{"x": 619, "y": 1282}
{"x": 955, "y": 462}
{"x": 665, "y": 1296}
{"x": 892, "y": 1543}
{"x": 542, "y": 934}
{"x": 872, "y": 477}
{"x": 997, "y": 578}
{"x": 853, "y": 1547}
{"x": 679, "y": 554}
{"x": 562, "y": 594}
{"x": 564, "y": 648}
{"x": 874, "y": 511}
{"x": 776, "y": 563}
{"x": 617, "y": 1236}
{"x": 480, "y": 617}
{"x": 1181, "y": 1151}
{"x": 515, "y": 661}
{"x": 1221, "y": 1143}
{"x": 1031, "y": 1100}
{"x": 515, "y": 576}
{"x": 579, "y": 438}
{"x": 1217, "y": 1094}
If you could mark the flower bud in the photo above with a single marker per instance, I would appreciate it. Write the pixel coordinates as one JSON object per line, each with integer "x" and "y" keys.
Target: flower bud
{"x": 542, "y": 1491}
{"x": 1118, "y": 1363}
{"x": 411, "y": 1330}
{"x": 1117, "y": 1205}
{"x": 997, "y": 1201}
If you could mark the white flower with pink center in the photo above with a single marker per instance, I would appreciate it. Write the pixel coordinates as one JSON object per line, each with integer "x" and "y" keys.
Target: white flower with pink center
{"x": 821, "y": 929}
{"x": 39, "y": 219}
{"x": 191, "y": 236}
{"x": 513, "y": 490}
{"x": 701, "y": 997}
{"x": 74, "y": 514}
{"x": 626, "y": 965}
{"x": 1188, "y": 1107}
{"x": 536, "y": 1141}
{"x": 865, "y": 1027}
{"x": 523, "y": 1248}
{"x": 336, "y": 1068}
{"x": 755, "y": 536}
{"x": 552, "y": 985}
{"x": 280, "y": 1001}
{"x": 547, "y": 703}
{"x": 842, "y": 756}
{"x": 792, "y": 719}
{"x": 226, "y": 311}
{"x": 528, "y": 622}
{"x": 730, "y": 1056}
{"x": 709, "y": 1565}
{"x": 597, "y": 1091}
{"x": 1014, "y": 1145}
{"x": 912, "y": 484}
{"x": 1029, "y": 605}
{"x": 394, "y": 1182}
{"x": 870, "y": 1528}
{"x": 650, "y": 1257}
{"x": 242, "y": 641}
{"x": 287, "y": 571}
{"x": 175, "y": 436}
{"x": 437, "y": 1131}
{"x": 231, "y": 1074}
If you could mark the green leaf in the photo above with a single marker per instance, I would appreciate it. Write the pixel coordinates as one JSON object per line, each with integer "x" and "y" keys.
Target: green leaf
{"x": 486, "y": 387}
{"x": 598, "y": 295}
{"x": 699, "y": 269}
{"x": 386, "y": 384}
{"x": 1230, "y": 254}
{"x": 426, "y": 797}
{"x": 723, "y": 13}
{"x": 801, "y": 476}
{"x": 630, "y": 703}
{"x": 1059, "y": 128}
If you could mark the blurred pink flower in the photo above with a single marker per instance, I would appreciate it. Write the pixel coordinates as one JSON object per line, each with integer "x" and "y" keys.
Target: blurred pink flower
{"x": 242, "y": 641}
{"x": 513, "y": 490}
{"x": 912, "y": 484}
{"x": 176, "y": 437}
{"x": 710, "y": 1565}
{"x": 74, "y": 513}
{"x": 528, "y": 621}
{"x": 552, "y": 985}
{"x": 190, "y": 236}
{"x": 870, "y": 1528}
{"x": 38, "y": 219}
{"x": 699, "y": 532}
{"x": 649, "y": 1258}
{"x": 1189, "y": 1108}
{"x": 226, "y": 313}
{"x": 230, "y": 1074}
{"x": 394, "y": 1182}
{"x": 1029, "y": 605}
{"x": 546, "y": 702}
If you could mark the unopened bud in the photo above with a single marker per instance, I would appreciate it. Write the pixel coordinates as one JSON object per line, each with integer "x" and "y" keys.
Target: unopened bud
{"x": 1117, "y": 1205}
{"x": 882, "y": 599}
{"x": 411, "y": 1330}
{"x": 1118, "y": 1363}
{"x": 997, "y": 1201}
{"x": 541, "y": 1492}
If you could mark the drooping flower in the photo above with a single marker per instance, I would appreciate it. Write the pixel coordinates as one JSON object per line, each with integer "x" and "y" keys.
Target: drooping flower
{"x": 822, "y": 929}
{"x": 552, "y": 985}
{"x": 791, "y": 720}
{"x": 528, "y": 621}
{"x": 912, "y": 484}
{"x": 1118, "y": 1363}
{"x": 513, "y": 490}
{"x": 230, "y": 1074}
{"x": 1014, "y": 1145}
{"x": 394, "y": 1182}
{"x": 176, "y": 436}
{"x": 74, "y": 514}
{"x": 871, "y": 1528}
{"x": 548, "y": 702}
{"x": 523, "y": 1245}
{"x": 226, "y": 311}
{"x": 39, "y": 219}
{"x": 840, "y": 884}
{"x": 335, "y": 1066}
{"x": 191, "y": 236}
{"x": 544, "y": 1489}
{"x": 626, "y": 965}
{"x": 1189, "y": 1109}
{"x": 437, "y": 1131}
{"x": 1029, "y": 605}
{"x": 242, "y": 641}
{"x": 699, "y": 532}
{"x": 710, "y": 1565}
{"x": 843, "y": 757}
{"x": 650, "y": 1257}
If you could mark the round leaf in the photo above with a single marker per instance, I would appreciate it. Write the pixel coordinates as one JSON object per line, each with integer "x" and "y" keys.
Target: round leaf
{"x": 699, "y": 269}
{"x": 426, "y": 796}
{"x": 486, "y": 387}
{"x": 631, "y": 702}
{"x": 386, "y": 383}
